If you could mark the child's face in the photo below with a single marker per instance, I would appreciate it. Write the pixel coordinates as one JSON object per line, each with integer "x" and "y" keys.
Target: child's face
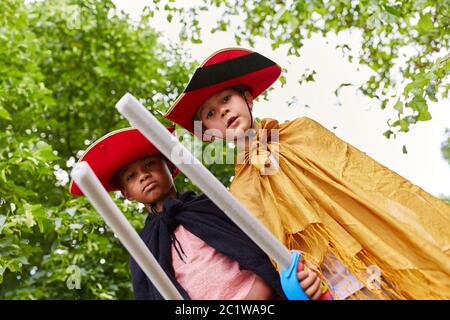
{"x": 147, "y": 180}
{"x": 227, "y": 112}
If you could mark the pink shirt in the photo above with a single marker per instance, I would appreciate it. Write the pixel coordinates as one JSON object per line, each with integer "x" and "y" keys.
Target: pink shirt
{"x": 207, "y": 274}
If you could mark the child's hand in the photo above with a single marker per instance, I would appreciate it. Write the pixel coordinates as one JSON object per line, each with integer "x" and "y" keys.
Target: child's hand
{"x": 309, "y": 280}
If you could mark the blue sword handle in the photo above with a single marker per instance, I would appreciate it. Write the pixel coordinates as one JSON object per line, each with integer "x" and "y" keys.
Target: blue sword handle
{"x": 289, "y": 280}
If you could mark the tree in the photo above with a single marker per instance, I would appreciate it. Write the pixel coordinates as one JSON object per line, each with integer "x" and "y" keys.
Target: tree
{"x": 392, "y": 31}
{"x": 63, "y": 66}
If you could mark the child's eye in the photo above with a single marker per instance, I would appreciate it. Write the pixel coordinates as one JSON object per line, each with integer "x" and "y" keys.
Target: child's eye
{"x": 131, "y": 176}
{"x": 148, "y": 164}
{"x": 226, "y": 98}
{"x": 209, "y": 114}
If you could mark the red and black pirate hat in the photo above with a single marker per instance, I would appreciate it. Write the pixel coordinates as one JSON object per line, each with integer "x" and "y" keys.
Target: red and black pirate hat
{"x": 224, "y": 69}
{"x": 112, "y": 152}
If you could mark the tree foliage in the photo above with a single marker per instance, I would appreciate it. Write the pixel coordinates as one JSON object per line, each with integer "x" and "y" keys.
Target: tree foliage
{"x": 402, "y": 41}
{"x": 63, "y": 66}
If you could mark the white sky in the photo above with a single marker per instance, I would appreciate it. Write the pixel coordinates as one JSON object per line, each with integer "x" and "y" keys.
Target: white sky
{"x": 358, "y": 120}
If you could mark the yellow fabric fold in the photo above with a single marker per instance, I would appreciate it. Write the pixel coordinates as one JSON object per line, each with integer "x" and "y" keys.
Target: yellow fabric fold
{"x": 328, "y": 196}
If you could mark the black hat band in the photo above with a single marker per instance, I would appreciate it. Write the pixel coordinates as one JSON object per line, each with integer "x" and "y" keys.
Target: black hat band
{"x": 219, "y": 72}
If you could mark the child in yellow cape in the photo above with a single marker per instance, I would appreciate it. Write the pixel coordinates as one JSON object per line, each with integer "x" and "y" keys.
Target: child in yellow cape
{"x": 317, "y": 193}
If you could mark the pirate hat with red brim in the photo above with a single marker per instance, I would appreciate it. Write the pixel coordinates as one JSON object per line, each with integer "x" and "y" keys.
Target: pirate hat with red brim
{"x": 112, "y": 152}
{"x": 224, "y": 69}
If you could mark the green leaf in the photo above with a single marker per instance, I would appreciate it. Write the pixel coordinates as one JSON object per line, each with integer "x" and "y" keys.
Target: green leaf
{"x": 419, "y": 104}
{"x": 393, "y": 10}
{"x": 307, "y": 77}
{"x": 424, "y": 115}
{"x": 310, "y": 78}
{"x": 281, "y": 16}
{"x": 282, "y": 80}
{"x": 431, "y": 92}
{"x": 22, "y": 259}
{"x": 404, "y": 149}
{"x": 45, "y": 152}
{"x": 425, "y": 24}
{"x": 416, "y": 87}
{"x": 403, "y": 124}
{"x": 3, "y": 175}
{"x": 388, "y": 134}
{"x": 29, "y": 219}
{"x": 5, "y": 114}
{"x": 105, "y": 296}
{"x": 399, "y": 107}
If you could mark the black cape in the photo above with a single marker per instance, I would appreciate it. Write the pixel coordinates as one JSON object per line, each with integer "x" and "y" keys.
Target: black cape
{"x": 203, "y": 218}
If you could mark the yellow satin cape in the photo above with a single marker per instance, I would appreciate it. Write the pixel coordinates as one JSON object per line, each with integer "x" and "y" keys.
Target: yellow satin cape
{"x": 328, "y": 196}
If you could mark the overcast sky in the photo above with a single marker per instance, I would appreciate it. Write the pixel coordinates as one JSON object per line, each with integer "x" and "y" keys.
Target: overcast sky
{"x": 357, "y": 118}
